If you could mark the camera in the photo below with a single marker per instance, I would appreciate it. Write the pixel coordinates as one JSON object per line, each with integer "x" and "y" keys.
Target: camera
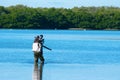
{"x": 41, "y": 40}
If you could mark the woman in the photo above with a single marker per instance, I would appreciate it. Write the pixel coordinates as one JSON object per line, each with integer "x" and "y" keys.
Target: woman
{"x": 36, "y": 48}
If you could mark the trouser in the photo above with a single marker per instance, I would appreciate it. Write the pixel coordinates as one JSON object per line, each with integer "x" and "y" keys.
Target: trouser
{"x": 38, "y": 55}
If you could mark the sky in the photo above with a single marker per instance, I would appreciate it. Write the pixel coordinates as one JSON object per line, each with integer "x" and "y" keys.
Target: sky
{"x": 61, "y": 3}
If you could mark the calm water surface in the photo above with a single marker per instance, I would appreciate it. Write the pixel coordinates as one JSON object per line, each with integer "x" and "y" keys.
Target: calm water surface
{"x": 68, "y": 47}
{"x": 83, "y": 47}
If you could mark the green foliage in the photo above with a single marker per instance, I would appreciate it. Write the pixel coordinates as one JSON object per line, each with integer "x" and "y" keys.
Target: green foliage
{"x": 23, "y": 17}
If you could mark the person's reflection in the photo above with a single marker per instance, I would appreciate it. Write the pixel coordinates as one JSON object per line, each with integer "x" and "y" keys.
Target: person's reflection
{"x": 37, "y": 73}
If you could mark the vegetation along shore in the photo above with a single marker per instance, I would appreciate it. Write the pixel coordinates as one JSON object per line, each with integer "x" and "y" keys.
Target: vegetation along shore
{"x": 95, "y": 18}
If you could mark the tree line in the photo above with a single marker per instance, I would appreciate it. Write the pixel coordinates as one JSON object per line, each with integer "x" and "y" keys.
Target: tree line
{"x": 23, "y": 17}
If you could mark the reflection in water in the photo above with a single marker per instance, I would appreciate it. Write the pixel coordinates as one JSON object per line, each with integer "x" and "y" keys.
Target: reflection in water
{"x": 37, "y": 73}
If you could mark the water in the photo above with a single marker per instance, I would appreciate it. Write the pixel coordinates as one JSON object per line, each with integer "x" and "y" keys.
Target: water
{"x": 82, "y": 47}
{"x": 68, "y": 47}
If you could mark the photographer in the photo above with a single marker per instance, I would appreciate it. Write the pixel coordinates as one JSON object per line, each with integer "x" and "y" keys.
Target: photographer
{"x": 39, "y": 54}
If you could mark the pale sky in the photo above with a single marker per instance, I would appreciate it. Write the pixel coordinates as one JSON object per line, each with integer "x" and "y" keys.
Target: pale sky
{"x": 61, "y": 3}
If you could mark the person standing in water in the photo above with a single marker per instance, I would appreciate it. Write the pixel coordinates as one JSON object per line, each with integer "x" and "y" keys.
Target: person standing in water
{"x": 41, "y": 41}
{"x": 38, "y": 49}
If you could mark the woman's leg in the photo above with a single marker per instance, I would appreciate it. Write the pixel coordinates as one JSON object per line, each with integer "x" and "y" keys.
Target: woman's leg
{"x": 36, "y": 57}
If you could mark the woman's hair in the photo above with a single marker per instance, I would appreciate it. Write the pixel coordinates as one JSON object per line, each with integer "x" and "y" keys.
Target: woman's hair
{"x": 36, "y": 39}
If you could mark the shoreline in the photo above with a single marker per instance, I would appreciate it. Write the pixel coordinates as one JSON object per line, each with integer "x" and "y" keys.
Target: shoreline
{"x": 76, "y": 29}
{"x": 94, "y": 29}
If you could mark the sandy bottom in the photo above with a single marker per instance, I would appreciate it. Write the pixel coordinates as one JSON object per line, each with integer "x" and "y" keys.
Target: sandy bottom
{"x": 15, "y": 71}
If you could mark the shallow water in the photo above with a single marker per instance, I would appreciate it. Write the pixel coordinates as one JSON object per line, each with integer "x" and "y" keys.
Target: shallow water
{"x": 86, "y": 47}
{"x": 68, "y": 47}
